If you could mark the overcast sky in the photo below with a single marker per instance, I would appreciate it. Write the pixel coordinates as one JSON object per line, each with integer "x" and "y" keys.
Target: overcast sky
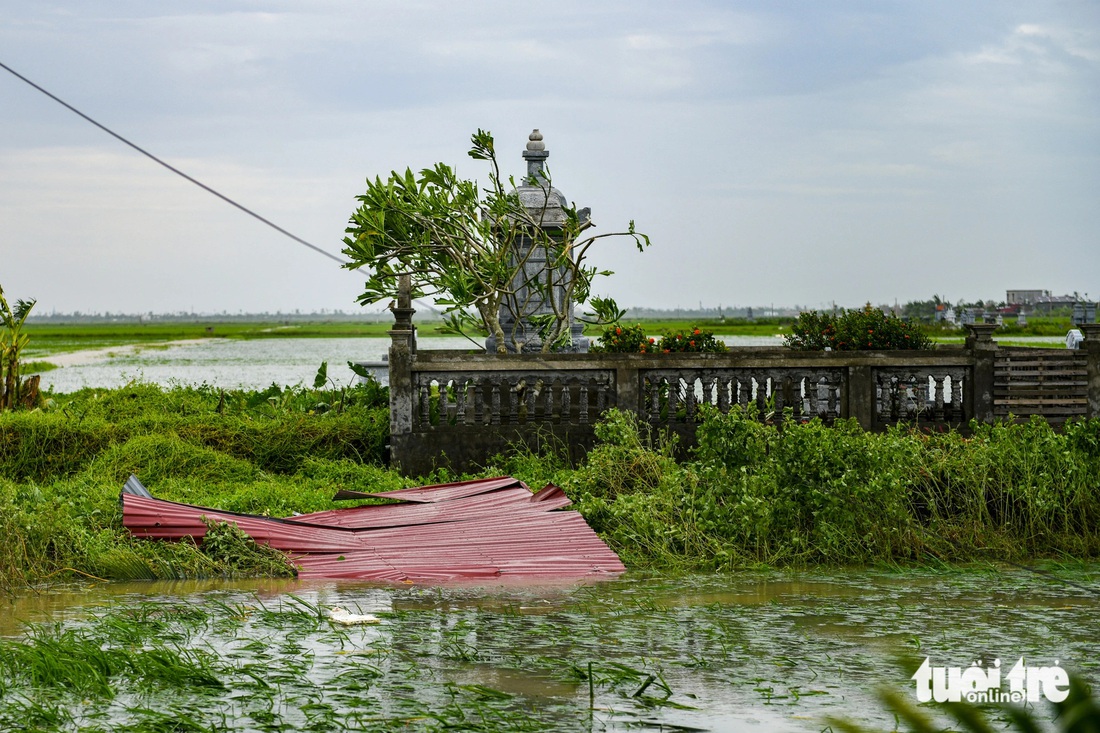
{"x": 787, "y": 153}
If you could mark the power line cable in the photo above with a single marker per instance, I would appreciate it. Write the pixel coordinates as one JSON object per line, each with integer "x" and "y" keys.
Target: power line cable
{"x": 175, "y": 170}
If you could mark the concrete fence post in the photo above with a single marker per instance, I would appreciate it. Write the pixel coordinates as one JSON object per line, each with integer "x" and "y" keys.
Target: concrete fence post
{"x": 983, "y": 349}
{"x": 859, "y": 386}
{"x": 401, "y": 354}
{"x": 1091, "y": 347}
{"x": 628, "y": 388}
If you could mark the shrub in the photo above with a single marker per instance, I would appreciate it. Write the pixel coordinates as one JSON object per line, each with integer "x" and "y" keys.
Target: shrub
{"x": 633, "y": 340}
{"x": 863, "y": 329}
{"x": 792, "y": 493}
{"x": 624, "y": 340}
{"x": 693, "y": 339}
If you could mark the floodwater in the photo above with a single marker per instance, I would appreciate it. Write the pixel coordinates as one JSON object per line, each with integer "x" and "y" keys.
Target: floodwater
{"x": 242, "y": 364}
{"x": 745, "y": 652}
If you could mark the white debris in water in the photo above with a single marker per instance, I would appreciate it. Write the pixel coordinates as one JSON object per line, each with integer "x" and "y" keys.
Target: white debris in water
{"x": 342, "y": 616}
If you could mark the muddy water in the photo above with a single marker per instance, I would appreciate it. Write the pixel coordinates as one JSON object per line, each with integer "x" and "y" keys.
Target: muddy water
{"x": 765, "y": 651}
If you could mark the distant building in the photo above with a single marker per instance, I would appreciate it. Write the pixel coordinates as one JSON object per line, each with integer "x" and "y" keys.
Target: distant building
{"x": 1049, "y": 303}
{"x": 1025, "y": 297}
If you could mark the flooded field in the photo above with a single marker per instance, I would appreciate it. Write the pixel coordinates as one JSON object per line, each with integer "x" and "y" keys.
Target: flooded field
{"x": 227, "y": 363}
{"x": 242, "y": 364}
{"x": 763, "y": 651}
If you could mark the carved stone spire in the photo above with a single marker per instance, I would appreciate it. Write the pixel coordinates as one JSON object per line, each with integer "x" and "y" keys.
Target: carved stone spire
{"x": 536, "y": 155}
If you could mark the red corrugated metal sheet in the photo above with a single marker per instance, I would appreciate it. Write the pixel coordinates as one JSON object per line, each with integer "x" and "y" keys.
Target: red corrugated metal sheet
{"x": 474, "y": 529}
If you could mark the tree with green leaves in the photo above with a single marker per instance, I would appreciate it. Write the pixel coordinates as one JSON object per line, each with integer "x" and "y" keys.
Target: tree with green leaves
{"x": 483, "y": 254}
{"x": 12, "y": 343}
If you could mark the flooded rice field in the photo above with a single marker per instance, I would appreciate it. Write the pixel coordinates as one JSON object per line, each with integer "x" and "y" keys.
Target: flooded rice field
{"x": 226, "y": 363}
{"x": 241, "y": 364}
{"x": 761, "y": 651}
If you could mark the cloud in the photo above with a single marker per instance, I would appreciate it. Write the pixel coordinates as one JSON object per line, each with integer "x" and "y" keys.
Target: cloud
{"x": 775, "y": 152}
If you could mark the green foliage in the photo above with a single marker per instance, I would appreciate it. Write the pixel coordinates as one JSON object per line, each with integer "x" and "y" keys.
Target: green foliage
{"x": 863, "y": 329}
{"x": 227, "y": 545}
{"x": 619, "y": 339}
{"x": 693, "y": 339}
{"x": 87, "y": 663}
{"x": 14, "y": 393}
{"x": 63, "y": 466}
{"x": 806, "y": 493}
{"x": 749, "y": 492}
{"x": 459, "y": 243}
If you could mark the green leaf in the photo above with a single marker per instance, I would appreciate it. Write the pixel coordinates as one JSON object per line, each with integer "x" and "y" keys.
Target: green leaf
{"x": 322, "y": 376}
{"x": 359, "y": 370}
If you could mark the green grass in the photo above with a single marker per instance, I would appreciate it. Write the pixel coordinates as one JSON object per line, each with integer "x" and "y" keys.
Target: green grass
{"x": 723, "y": 327}
{"x": 53, "y": 338}
{"x": 273, "y": 452}
{"x": 806, "y": 494}
{"x": 750, "y": 494}
{"x": 58, "y": 338}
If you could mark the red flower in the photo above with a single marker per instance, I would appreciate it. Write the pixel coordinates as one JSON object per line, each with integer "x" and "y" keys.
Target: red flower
{"x": 691, "y": 343}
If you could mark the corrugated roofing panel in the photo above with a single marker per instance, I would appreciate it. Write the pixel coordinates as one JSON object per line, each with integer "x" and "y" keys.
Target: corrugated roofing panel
{"x": 469, "y": 530}
{"x": 447, "y": 492}
{"x": 514, "y": 497}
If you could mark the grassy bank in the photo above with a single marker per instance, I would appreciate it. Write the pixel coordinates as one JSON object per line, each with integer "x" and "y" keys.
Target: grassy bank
{"x": 749, "y": 494}
{"x": 273, "y": 452}
{"x": 57, "y": 338}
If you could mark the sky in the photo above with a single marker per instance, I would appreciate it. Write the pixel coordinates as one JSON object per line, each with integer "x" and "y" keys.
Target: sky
{"x": 787, "y": 153}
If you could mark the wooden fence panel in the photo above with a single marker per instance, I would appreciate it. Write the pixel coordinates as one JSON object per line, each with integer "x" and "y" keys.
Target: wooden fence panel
{"x": 1051, "y": 383}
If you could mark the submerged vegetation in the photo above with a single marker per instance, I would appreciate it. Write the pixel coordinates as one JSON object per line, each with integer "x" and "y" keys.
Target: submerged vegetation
{"x": 703, "y": 652}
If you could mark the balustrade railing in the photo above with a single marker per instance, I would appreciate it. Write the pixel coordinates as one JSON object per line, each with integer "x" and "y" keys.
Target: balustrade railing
{"x": 674, "y": 395}
{"x": 459, "y": 408}
{"x": 920, "y": 395}
{"x": 510, "y": 397}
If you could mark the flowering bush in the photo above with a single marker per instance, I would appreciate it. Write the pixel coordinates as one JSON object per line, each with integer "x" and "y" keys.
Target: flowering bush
{"x": 863, "y": 329}
{"x": 625, "y": 340}
{"x": 694, "y": 340}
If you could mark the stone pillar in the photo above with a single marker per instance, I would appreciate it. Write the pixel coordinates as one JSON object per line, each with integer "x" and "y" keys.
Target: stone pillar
{"x": 628, "y": 388}
{"x": 401, "y": 354}
{"x": 860, "y": 396}
{"x": 547, "y": 206}
{"x": 1091, "y": 347}
{"x": 983, "y": 349}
